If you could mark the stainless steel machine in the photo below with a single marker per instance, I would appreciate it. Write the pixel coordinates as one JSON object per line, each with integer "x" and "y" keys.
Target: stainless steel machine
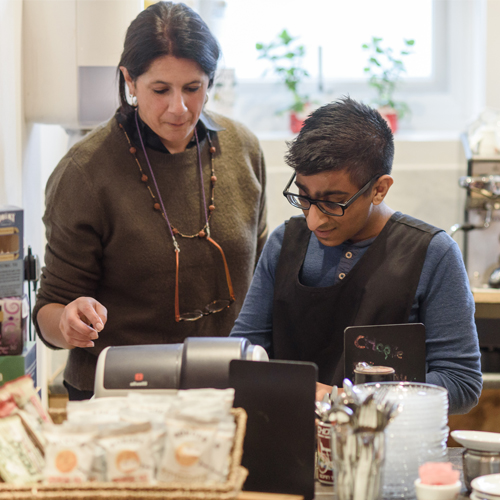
{"x": 481, "y": 246}
{"x": 200, "y": 362}
{"x": 481, "y": 226}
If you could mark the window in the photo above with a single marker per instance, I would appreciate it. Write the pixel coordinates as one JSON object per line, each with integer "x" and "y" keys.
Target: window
{"x": 443, "y": 87}
{"x": 338, "y": 27}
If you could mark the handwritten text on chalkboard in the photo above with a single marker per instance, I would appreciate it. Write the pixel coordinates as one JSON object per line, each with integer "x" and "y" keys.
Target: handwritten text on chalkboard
{"x": 364, "y": 342}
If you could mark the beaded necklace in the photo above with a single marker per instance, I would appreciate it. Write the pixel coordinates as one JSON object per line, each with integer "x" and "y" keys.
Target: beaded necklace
{"x": 216, "y": 305}
{"x": 157, "y": 199}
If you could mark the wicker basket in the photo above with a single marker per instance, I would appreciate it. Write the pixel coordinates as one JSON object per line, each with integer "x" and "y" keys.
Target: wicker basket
{"x": 137, "y": 491}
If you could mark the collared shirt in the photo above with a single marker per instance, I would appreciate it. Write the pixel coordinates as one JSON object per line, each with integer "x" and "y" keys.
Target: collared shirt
{"x": 323, "y": 269}
{"x": 152, "y": 139}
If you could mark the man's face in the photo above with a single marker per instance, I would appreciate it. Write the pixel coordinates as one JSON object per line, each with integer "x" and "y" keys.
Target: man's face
{"x": 354, "y": 225}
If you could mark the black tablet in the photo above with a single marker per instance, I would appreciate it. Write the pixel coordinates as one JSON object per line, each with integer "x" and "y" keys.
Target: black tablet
{"x": 279, "y": 447}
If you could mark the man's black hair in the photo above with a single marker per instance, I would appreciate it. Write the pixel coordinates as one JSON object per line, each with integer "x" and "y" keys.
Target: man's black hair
{"x": 343, "y": 135}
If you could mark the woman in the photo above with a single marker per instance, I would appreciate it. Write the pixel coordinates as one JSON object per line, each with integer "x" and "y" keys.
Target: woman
{"x": 158, "y": 213}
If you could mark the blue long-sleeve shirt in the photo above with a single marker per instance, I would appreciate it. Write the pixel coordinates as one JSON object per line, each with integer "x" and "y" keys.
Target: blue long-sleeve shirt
{"x": 443, "y": 303}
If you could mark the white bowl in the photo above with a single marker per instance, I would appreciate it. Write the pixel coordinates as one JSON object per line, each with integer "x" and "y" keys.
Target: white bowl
{"x": 437, "y": 491}
{"x": 478, "y": 440}
{"x": 488, "y": 485}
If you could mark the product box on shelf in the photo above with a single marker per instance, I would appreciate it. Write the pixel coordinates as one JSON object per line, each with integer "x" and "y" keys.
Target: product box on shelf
{"x": 13, "y": 325}
{"x": 11, "y": 251}
{"x": 12, "y": 367}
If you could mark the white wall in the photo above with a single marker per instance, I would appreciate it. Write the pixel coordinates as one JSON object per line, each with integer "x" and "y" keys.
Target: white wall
{"x": 426, "y": 173}
{"x": 492, "y": 82}
{"x": 11, "y": 110}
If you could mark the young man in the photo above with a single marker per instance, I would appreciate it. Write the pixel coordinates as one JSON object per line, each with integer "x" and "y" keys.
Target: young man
{"x": 352, "y": 260}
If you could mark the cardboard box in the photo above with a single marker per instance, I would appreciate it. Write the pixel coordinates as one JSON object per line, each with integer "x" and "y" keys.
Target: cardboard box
{"x": 11, "y": 251}
{"x": 13, "y": 325}
{"x": 12, "y": 367}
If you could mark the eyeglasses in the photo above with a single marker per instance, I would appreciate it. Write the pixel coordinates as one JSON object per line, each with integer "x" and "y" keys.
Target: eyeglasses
{"x": 327, "y": 207}
{"x": 215, "y": 306}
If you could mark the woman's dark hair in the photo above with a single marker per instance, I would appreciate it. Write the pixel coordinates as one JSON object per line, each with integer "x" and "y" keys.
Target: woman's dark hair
{"x": 166, "y": 28}
{"x": 343, "y": 135}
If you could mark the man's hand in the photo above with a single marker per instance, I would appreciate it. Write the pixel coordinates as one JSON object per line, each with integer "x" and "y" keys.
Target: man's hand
{"x": 321, "y": 390}
{"x": 82, "y": 320}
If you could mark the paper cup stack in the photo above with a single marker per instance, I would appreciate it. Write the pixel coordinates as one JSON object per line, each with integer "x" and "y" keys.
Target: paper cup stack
{"x": 417, "y": 435}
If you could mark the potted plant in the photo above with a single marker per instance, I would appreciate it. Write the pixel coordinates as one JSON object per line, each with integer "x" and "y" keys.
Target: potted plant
{"x": 385, "y": 69}
{"x": 285, "y": 57}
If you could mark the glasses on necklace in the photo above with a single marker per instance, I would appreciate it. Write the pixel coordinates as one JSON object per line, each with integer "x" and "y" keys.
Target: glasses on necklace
{"x": 215, "y": 306}
{"x": 327, "y": 207}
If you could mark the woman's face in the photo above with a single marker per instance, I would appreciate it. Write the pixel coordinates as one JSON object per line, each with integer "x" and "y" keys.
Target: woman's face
{"x": 170, "y": 98}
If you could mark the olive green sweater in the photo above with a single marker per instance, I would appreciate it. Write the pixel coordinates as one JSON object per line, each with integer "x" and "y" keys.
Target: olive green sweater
{"x": 105, "y": 240}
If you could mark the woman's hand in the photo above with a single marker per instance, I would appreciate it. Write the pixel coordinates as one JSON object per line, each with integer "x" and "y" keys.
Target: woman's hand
{"x": 81, "y": 321}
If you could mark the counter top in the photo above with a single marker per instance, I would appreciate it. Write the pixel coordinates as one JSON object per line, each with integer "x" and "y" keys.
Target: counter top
{"x": 486, "y": 295}
{"x": 250, "y": 495}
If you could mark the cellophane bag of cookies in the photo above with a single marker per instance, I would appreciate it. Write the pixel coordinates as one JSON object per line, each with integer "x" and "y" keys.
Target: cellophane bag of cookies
{"x": 69, "y": 453}
{"x": 199, "y": 437}
{"x": 30, "y": 407}
{"x": 128, "y": 456}
{"x": 99, "y": 410}
{"x": 21, "y": 462}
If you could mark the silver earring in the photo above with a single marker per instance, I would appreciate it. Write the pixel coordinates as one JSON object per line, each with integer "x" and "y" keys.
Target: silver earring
{"x": 133, "y": 100}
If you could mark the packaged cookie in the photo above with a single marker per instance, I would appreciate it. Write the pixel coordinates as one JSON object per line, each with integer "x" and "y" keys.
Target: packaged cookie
{"x": 26, "y": 397}
{"x": 187, "y": 452}
{"x": 30, "y": 407}
{"x": 99, "y": 410}
{"x": 69, "y": 453}
{"x": 9, "y": 407}
{"x": 221, "y": 452}
{"x": 21, "y": 461}
{"x": 156, "y": 404}
{"x": 219, "y": 399}
{"x": 127, "y": 451}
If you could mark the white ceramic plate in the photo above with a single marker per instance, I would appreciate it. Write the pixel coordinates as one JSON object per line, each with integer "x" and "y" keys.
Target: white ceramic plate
{"x": 478, "y": 440}
{"x": 486, "y": 485}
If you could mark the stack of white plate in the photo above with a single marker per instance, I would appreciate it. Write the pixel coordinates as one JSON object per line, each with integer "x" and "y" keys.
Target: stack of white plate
{"x": 486, "y": 487}
{"x": 417, "y": 435}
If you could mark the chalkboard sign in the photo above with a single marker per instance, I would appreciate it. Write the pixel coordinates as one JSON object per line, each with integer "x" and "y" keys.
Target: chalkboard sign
{"x": 400, "y": 346}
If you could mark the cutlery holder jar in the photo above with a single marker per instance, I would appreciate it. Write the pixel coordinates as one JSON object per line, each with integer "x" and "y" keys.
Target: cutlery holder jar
{"x": 358, "y": 459}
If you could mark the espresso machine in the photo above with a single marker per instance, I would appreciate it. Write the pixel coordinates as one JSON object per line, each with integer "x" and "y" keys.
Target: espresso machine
{"x": 481, "y": 237}
{"x": 481, "y": 226}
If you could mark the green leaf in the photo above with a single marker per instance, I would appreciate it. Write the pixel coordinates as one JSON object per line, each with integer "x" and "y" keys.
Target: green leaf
{"x": 410, "y": 42}
{"x": 374, "y": 61}
{"x": 259, "y": 46}
{"x": 364, "y": 46}
{"x": 285, "y": 37}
